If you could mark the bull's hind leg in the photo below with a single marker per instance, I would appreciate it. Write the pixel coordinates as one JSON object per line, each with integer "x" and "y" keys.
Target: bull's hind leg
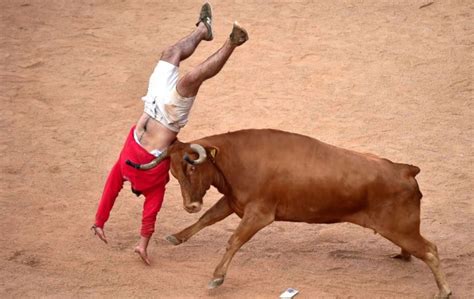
{"x": 217, "y": 212}
{"x": 413, "y": 243}
{"x": 428, "y": 253}
{"x": 253, "y": 220}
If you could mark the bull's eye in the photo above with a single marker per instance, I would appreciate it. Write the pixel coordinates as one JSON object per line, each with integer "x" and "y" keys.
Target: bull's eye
{"x": 190, "y": 169}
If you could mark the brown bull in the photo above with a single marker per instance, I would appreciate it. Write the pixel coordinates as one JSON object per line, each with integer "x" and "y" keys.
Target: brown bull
{"x": 270, "y": 175}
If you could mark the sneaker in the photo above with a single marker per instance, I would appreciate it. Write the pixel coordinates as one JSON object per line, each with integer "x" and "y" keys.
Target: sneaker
{"x": 239, "y": 35}
{"x": 205, "y": 16}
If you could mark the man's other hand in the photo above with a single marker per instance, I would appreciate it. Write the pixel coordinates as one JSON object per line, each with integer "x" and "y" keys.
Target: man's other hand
{"x": 99, "y": 232}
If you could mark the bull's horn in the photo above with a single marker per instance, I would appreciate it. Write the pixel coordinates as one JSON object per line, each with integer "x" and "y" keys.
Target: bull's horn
{"x": 151, "y": 164}
{"x": 198, "y": 149}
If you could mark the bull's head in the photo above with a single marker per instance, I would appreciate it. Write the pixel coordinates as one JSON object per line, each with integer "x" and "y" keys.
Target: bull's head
{"x": 192, "y": 165}
{"x": 194, "y": 171}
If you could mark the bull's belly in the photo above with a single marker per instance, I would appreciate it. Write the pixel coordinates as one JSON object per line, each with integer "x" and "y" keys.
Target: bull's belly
{"x": 318, "y": 210}
{"x": 309, "y": 218}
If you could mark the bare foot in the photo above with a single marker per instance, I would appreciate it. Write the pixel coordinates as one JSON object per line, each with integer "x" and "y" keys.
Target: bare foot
{"x": 143, "y": 255}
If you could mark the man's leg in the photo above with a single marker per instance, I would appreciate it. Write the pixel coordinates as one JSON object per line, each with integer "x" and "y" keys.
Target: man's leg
{"x": 188, "y": 85}
{"x": 186, "y": 46}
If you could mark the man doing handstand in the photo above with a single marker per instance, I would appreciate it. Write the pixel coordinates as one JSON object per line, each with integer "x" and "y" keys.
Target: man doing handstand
{"x": 167, "y": 106}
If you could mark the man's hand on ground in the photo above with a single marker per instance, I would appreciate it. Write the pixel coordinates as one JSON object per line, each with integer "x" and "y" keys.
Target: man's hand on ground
{"x": 143, "y": 255}
{"x": 99, "y": 232}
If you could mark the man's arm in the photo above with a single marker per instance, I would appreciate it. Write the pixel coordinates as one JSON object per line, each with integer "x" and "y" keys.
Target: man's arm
{"x": 151, "y": 207}
{"x": 112, "y": 188}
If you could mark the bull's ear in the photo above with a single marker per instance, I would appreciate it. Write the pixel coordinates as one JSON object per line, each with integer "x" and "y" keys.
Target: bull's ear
{"x": 213, "y": 152}
{"x": 175, "y": 146}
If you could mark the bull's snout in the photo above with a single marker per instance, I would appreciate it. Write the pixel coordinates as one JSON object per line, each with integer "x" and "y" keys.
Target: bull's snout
{"x": 193, "y": 207}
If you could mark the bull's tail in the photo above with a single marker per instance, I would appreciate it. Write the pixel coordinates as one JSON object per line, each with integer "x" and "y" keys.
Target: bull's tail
{"x": 413, "y": 170}
{"x": 410, "y": 170}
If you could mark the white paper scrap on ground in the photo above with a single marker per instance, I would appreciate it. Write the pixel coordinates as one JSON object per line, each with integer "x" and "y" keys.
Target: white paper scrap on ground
{"x": 289, "y": 293}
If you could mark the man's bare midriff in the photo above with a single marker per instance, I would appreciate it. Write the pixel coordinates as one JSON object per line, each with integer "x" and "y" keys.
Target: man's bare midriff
{"x": 152, "y": 134}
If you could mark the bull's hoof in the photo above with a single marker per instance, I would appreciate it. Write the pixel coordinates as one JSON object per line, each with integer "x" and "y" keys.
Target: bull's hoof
{"x": 173, "y": 240}
{"x": 215, "y": 283}
{"x": 402, "y": 257}
{"x": 445, "y": 294}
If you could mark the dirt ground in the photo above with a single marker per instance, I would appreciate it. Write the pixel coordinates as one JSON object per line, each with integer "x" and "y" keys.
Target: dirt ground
{"x": 374, "y": 76}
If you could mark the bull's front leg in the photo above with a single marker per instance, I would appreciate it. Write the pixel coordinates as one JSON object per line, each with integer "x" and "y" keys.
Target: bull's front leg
{"x": 220, "y": 210}
{"x": 254, "y": 219}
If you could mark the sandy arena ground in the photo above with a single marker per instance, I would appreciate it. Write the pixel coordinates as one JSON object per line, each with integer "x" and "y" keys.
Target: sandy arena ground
{"x": 375, "y": 76}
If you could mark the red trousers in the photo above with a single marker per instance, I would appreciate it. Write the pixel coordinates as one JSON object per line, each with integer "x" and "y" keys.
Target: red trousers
{"x": 150, "y": 183}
